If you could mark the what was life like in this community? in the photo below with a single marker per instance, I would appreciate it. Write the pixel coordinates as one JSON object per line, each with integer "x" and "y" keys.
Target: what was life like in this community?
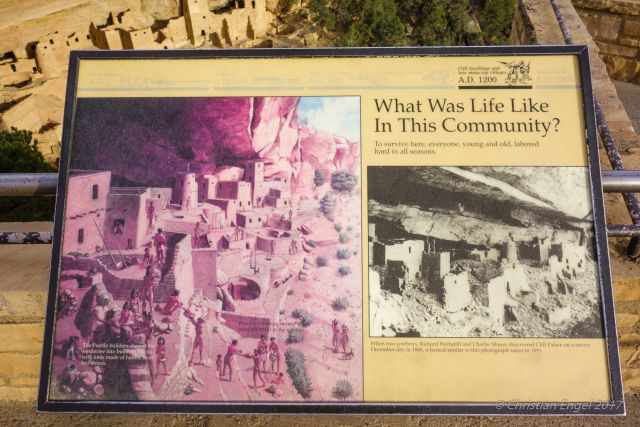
{"x": 525, "y": 121}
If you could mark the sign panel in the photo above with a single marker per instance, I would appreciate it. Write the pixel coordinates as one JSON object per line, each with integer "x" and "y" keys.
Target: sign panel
{"x": 353, "y": 230}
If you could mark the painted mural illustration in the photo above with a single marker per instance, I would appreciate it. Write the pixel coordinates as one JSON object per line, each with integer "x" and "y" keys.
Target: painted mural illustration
{"x": 208, "y": 253}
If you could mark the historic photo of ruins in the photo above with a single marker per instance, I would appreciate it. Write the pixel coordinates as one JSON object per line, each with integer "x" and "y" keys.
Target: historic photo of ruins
{"x": 481, "y": 252}
{"x": 207, "y": 254}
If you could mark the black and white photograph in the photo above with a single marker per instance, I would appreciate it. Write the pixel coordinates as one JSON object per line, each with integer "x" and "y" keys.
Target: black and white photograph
{"x": 482, "y": 252}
